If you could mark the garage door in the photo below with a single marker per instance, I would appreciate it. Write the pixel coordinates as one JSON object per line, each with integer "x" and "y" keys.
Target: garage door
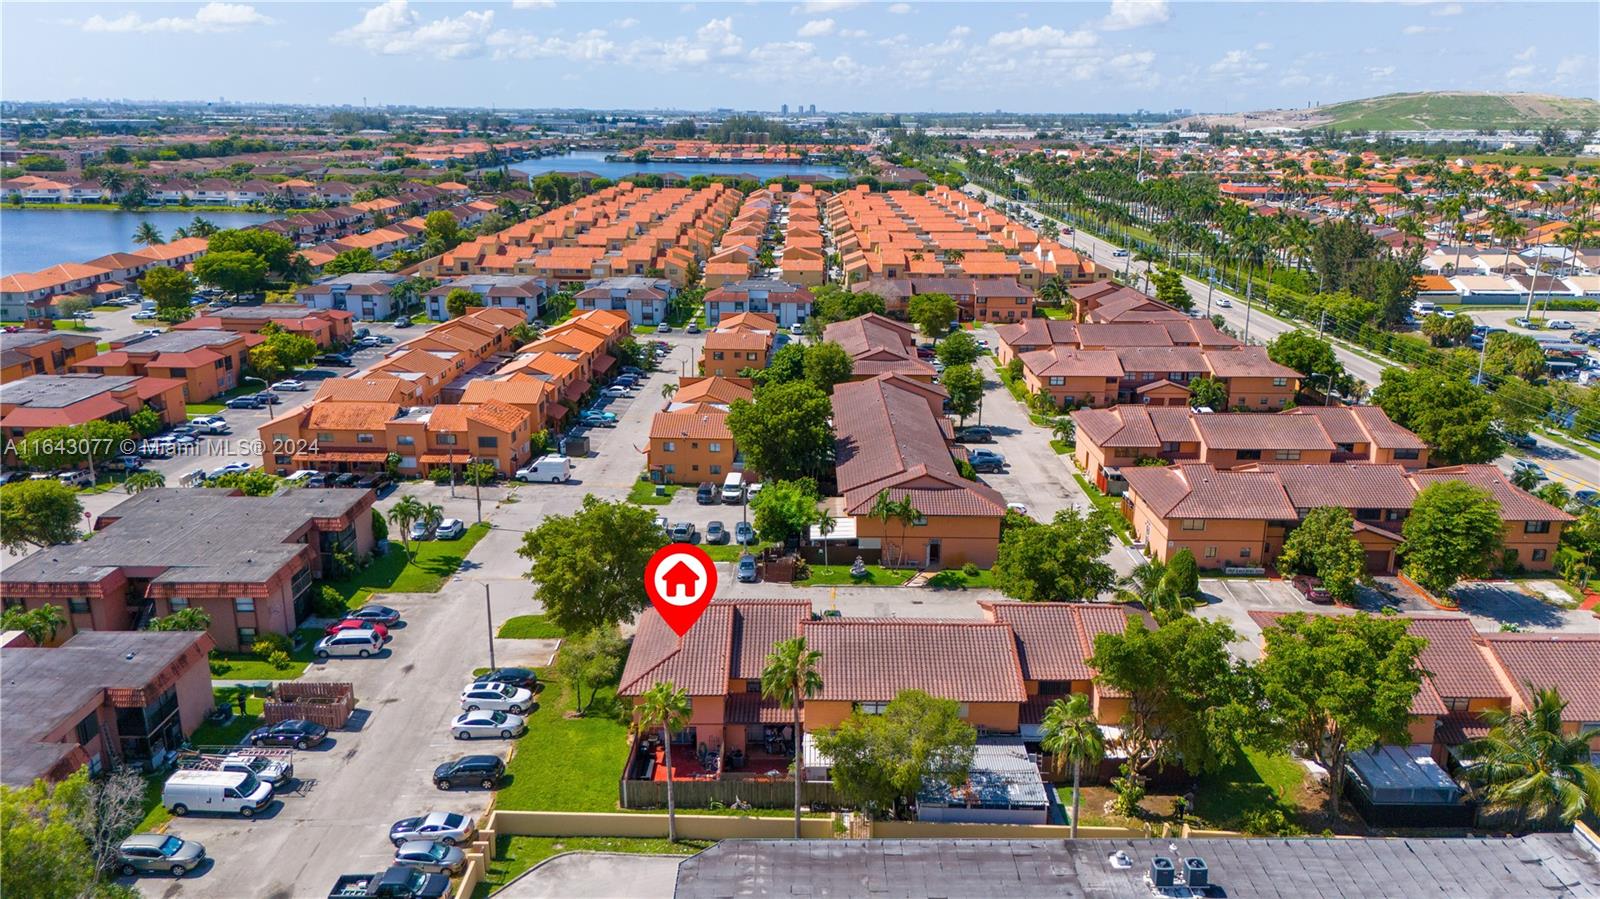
{"x": 1378, "y": 561}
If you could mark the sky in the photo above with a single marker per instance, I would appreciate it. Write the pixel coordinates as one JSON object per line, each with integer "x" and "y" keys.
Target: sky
{"x": 1120, "y": 55}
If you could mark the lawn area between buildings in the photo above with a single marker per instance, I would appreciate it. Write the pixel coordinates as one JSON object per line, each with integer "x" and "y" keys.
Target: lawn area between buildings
{"x": 233, "y": 731}
{"x": 1258, "y": 782}
{"x": 249, "y": 666}
{"x": 217, "y": 404}
{"x": 531, "y": 627}
{"x": 730, "y": 552}
{"x": 568, "y": 764}
{"x": 434, "y": 562}
{"x": 1107, "y": 504}
{"x": 839, "y": 575}
{"x": 643, "y": 493}
{"x": 515, "y": 855}
{"x": 958, "y": 579}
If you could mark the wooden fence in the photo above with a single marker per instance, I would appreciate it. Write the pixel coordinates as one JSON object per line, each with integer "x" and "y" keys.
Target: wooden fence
{"x": 329, "y": 705}
{"x": 622, "y": 824}
{"x": 700, "y": 793}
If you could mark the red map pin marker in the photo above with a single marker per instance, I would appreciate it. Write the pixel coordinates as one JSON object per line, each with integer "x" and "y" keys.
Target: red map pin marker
{"x": 680, "y": 579}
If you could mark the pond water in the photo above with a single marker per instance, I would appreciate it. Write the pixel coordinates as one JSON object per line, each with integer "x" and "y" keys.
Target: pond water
{"x": 595, "y": 161}
{"x": 32, "y": 239}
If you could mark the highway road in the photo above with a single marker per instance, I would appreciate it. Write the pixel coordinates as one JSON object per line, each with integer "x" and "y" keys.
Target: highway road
{"x": 1577, "y": 471}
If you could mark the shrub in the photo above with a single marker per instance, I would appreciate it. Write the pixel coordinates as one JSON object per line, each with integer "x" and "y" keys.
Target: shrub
{"x": 279, "y": 659}
{"x": 1268, "y": 823}
{"x": 970, "y": 570}
{"x": 380, "y": 528}
{"x": 965, "y": 469}
{"x": 439, "y": 474}
{"x": 267, "y": 644}
{"x": 1130, "y": 791}
{"x": 329, "y": 603}
{"x": 216, "y": 664}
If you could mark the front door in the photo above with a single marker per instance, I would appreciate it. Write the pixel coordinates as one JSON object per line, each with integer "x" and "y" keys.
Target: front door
{"x": 933, "y": 553}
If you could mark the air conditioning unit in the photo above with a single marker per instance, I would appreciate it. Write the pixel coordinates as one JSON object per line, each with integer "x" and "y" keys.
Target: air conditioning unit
{"x": 1162, "y": 872}
{"x": 1195, "y": 873}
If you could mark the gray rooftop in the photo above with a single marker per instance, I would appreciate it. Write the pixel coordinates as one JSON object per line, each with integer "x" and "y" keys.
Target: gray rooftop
{"x": 44, "y": 685}
{"x": 182, "y": 341}
{"x": 488, "y": 281}
{"x": 264, "y": 310}
{"x": 628, "y": 282}
{"x": 23, "y": 339}
{"x": 1546, "y": 865}
{"x": 192, "y": 536}
{"x": 60, "y": 391}
{"x": 1002, "y": 777}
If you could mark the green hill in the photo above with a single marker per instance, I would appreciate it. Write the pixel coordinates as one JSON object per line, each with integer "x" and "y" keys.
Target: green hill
{"x": 1458, "y": 109}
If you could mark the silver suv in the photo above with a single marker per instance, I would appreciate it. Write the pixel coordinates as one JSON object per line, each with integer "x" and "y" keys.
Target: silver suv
{"x": 158, "y": 853}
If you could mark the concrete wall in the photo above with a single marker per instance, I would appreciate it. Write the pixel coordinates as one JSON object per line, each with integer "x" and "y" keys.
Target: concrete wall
{"x": 645, "y": 825}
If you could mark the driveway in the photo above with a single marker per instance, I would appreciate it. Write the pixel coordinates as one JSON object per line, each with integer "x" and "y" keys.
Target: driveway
{"x": 597, "y": 875}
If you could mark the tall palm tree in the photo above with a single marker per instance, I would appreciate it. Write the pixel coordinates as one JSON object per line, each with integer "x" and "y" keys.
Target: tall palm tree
{"x": 1071, "y": 736}
{"x": 667, "y": 707}
{"x": 202, "y": 227}
{"x": 883, "y": 509}
{"x": 791, "y": 677}
{"x": 140, "y": 481}
{"x": 405, "y": 513}
{"x": 826, "y": 524}
{"x": 668, "y": 390}
{"x": 1530, "y": 764}
{"x": 147, "y": 235}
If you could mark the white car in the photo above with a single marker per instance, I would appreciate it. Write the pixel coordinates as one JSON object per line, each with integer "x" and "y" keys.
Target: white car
{"x": 1224, "y": 303}
{"x": 151, "y": 332}
{"x": 144, "y": 315}
{"x": 496, "y": 698}
{"x": 615, "y": 390}
{"x": 206, "y": 421}
{"x": 484, "y": 723}
{"x": 289, "y": 385}
{"x": 358, "y": 642}
{"x": 450, "y": 529}
{"x": 300, "y": 475}
{"x": 230, "y": 468}
{"x": 1559, "y": 324}
{"x": 448, "y": 828}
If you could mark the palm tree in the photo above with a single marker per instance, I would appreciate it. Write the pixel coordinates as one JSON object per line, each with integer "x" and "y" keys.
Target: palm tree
{"x": 1071, "y": 736}
{"x": 1064, "y": 430}
{"x": 408, "y": 511}
{"x": 667, "y": 707}
{"x": 112, "y": 181}
{"x": 826, "y": 524}
{"x": 433, "y": 513}
{"x": 202, "y": 227}
{"x": 140, "y": 481}
{"x": 147, "y": 235}
{"x": 791, "y": 677}
{"x": 179, "y": 233}
{"x": 1530, "y": 764}
{"x": 883, "y": 509}
{"x": 1524, "y": 479}
{"x": 668, "y": 390}
{"x": 1555, "y": 493}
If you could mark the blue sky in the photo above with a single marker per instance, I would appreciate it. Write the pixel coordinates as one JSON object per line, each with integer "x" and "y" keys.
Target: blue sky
{"x": 1038, "y": 57}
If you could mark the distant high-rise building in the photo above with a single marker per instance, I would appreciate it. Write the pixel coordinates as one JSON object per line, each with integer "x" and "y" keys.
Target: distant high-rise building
{"x": 813, "y": 109}
{"x": 784, "y": 109}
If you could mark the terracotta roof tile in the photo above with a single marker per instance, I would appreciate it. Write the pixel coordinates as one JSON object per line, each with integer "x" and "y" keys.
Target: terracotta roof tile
{"x": 875, "y": 659}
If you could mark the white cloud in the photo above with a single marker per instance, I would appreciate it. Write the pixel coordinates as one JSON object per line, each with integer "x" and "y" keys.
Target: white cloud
{"x": 817, "y": 28}
{"x": 814, "y": 7}
{"x": 1236, "y": 62}
{"x": 1380, "y": 73}
{"x": 532, "y": 4}
{"x": 590, "y": 46}
{"x": 1263, "y": 45}
{"x": 1419, "y": 29}
{"x": 623, "y": 24}
{"x": 1449, "y": 9}
{"x": 854, "y": 34}
{"x": 899, "y": 9}
{"x": 718, "y": 37}
{"x": 1044, "y": 37}
{"x": 394, "y": 29}
{"x": 213, "y": 17}
{"x": 1528, "y": 54}
{"x": 1127, "y": 14}
{"x": 1297, "y": 79}
{"x": 1572, "y": 65}
{"x": 960, "y": 31}
{"x": 1516, "y": 73}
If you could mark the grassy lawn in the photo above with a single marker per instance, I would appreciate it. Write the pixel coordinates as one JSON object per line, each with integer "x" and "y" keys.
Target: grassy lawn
{"x": 518, "y": 854}
{"x": 530, "y": 627}
{"x": 730, "y": 552}
{"x": 249, "y": 666}
{"x": 435, "y": 561}
{"x": 1057, "y": 312}
{"x": 568, "y": 764}
{"x": 155, "y": 814}
{"x": 876, "y": 576}
{"x": 216, "y": 404}
{"x": 230, "y": 734}
{"x": 956, "y": 579}
{"x": 643, "y": 493}
{"x": 1257, "y": 782}
{"x": 1060, "y": 447}
{"x": 1109, "y": 504}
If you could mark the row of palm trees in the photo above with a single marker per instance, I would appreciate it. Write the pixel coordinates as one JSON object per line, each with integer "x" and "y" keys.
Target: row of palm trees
{"x": 408, "y": 511}
{"x": 148, "y": 235}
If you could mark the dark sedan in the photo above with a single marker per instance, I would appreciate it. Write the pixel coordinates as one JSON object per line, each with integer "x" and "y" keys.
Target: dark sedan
{"x": 516, "y": 677}
{"x": 375, "y": 613}
{"x": 470, "y": 771}
{"x": 296, "y": 732}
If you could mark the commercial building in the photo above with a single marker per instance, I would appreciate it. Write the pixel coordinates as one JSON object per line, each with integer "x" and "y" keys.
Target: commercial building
{"x": 99, "y": 700}
{"x": 250, "y": 563}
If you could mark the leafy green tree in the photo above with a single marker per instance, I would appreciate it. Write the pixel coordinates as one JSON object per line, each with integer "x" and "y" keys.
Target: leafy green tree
{"x": 266, "y": 361}
{"x": 1325, "y": 545}
{"x": 666, "y": 707}
{"x": 1336, "y": 684}
{"x": 834, "y": 303}
{"x": 1309, "y": 355}
{"x": 784, "y": 431}
{"x": 46, "y": 854}
{"x": 1505, "y": 353}
{"x": 1188, "y": 700}
{"x": 1532, "y": 765}
{"x": 254, "y": 482}
{"x": 1208, "y": 392}
{"x": 826, "y": 364}
{"x": 351, "y": 262}
{"x": 1454, "y": 532}
{"x": 1170, "y": 290}
{"x": 960, "y": 348}
{"x": 457, "y": 301}
{"x": 40, "y": 623}
{"x": 880, "y": 762}
{"x": 932, "y": 313}
{"x": 1450, "y": 414}
{"x": 39, "y": 514}
{"x": 140, "y": 481}
{"x": 233, "y": 272}
{"x": 783, "y": 510}
{"x": 964, "y": 383}
{"x": 1070, "y": 733}
{"x": 190, "y": 619}
{"x": 591, "y": 658}
{"x": 789, "y": 678}
{"x": 1520, "y": 405}
{"x": 146, "y": 422}
{"x": 276, "y": 249}
{"x": 589, "y": 566}
{"x": 171, "y": 291}
{"x": 441, "y": 232}
{"x": 1058, "y": 561}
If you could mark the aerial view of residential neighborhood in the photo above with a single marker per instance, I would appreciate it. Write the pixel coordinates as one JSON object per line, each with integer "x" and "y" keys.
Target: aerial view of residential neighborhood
{"x": 656, "y": 450}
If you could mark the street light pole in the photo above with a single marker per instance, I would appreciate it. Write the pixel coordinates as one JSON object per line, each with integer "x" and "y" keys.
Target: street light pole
{"x": 477, "y": 488}
{"x": 488, "y": 617}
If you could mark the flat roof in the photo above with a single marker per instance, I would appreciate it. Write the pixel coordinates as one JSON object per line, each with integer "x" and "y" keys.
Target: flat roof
{"x": 191, "y": 535}
{"x": 61, "y": 391}
{"x": 1002, "y": 776}
{"x": 42, "y": 685}
{"x": 1549, "y": 865}
{"x": 182, "y": 341}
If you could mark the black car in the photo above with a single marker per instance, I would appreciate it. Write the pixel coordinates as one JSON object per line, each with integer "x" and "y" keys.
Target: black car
{"x": 337, "y": 360}
{"x": 470, "y": 771}
{"x": 516, "y": 677}
{"x": 375, "y": 481}
{"x": 348, "y": 479}
{"x": 320, "y": 479}
{"x": 975, "y": 435}
{"x": 375, "y": 613}
{"x": 706, "y": 494}
{"x": 268, "y": 397}
{"x": 296, "y": 732}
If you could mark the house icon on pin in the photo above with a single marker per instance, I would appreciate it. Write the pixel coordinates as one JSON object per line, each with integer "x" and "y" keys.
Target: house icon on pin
{"x": 681, "y": 580}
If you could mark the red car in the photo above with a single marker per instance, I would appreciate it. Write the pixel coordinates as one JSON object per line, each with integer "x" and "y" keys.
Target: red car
{"x": 1311, "y": 588}
{"x": 354, "y": 624}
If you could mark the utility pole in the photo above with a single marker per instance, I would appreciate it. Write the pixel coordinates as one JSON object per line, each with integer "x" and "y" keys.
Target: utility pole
{"x": 1322, "y": 320}
{"x": 477, "y": 489}
{"x": 452, "y": 474}
{"x": 1211, "y": 284}
{"x": 488, "y": 617}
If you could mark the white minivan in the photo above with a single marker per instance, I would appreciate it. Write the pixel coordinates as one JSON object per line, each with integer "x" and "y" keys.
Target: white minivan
{"x": 355, "y": 642}
{"x": 547, "y": 469}
{"x": 733, "y": 488}
{"x": 219, "y": 792}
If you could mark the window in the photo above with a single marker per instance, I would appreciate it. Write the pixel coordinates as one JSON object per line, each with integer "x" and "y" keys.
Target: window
{"x": 178, "y": 603}
{"x": 669, "y": 469}
{"x": 714, "y": 447}
{"x": 363, "y": 438}
{"x": 871, "y": 708}
{"x": 1286, "y": 455}
{"x": 1280, "y": 382}
{"x": 1244, "y": 552}
{"x": 717, "y": 355}
{"x": 324, "y": 437}
{"x": 1247, "y": 455}
{"x": 488, "y": 442}
{"x": 244, "y": 604}
{"x": 87, "y": 729}
{"x": 1057, "y": 381}
{"x": 919, "y": 521}
{"x": 1263, "y": 401}
{"x": 1536, "y": 527}
{"x": 669, "y": 447}
{"x": 405, "y": 440}
{"x": 78, "y": 605}
{"x": 247, "y": 636}
{"x": 1211, "y": 552}
{"x": 1194, "y": 524}
{"x": 1407, "y": 454}
{"x": 1456, "y": 703}
{"x": 447, "y": 440}
{"x": 1538, "y": 555}
{"x": 716, "y": 469}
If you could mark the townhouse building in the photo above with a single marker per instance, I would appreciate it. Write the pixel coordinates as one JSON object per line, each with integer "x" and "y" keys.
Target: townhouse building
{"x": 365, "y": 295}
{"x": 741, "y": 341}
{"x": 524, "y": 295}
{"x": 787, "y": 304}
{"x": 49, "y": 401}
{"x": 339, "y": 435}
{"x": 644, "y": 300}
{"x": 208, "y": 362}
{"x": 879, "y": 345}
{"x": 996, "y": 301}
{"x": 325, "y": 327}
{"x": 42, "y": 353}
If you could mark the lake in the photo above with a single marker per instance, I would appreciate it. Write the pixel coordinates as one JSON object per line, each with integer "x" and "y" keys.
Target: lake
{"x": 32, "y": 239}
{"x": 595, "y": 161}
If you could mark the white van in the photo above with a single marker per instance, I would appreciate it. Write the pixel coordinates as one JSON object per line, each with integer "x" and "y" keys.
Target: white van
{"x": 220, "y": 792}
{"x": 356, "y": 642}
{"x": 733, "y": 488}
{"x": 550, "y": 469}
